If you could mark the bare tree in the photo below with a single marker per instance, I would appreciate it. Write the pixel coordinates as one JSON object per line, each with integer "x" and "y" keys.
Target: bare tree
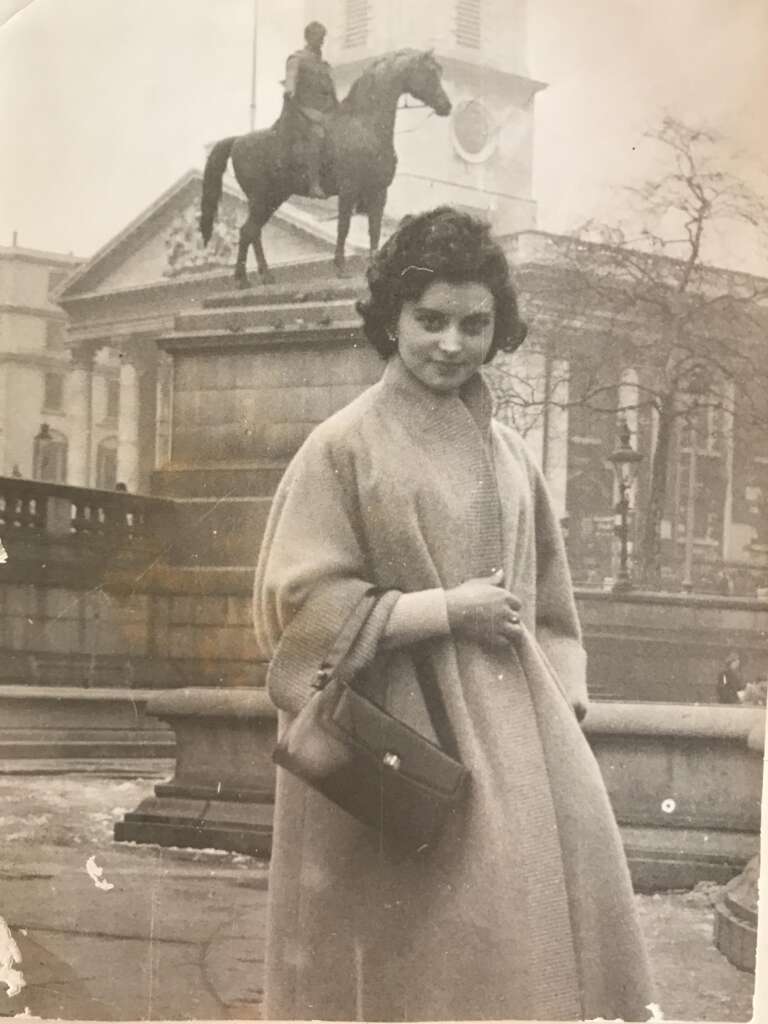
{"x": 648, "y": 301}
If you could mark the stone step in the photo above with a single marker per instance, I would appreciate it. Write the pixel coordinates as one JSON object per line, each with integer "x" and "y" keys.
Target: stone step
{"x": 292, "y": 282}
{"x": 678, "y": 858}
{"x": 43, "y": 722}
{"x": 347, "y": 331}
{"x": 201, "y": 824}
{"x": 109, "y": 744}
{"x": 111, "y": 767}
{"x": 276, "y": 316}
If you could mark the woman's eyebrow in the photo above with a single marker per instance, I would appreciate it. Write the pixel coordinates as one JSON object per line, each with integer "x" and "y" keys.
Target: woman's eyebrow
{"x": 481, "y": 311}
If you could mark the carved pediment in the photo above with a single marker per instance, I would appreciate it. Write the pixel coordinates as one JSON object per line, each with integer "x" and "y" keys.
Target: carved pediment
{"x": 184, "y": 247}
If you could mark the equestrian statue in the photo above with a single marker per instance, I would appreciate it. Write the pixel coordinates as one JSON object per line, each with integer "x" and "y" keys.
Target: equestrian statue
{"x": 321, "y": 147}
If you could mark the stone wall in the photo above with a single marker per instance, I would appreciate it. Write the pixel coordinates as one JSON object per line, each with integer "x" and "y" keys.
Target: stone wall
{"x": 669, "y": 647}
{"x": 93, "y": 637}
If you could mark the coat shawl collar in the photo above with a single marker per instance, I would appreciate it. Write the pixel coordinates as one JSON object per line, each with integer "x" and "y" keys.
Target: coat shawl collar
{"x": 454, "y": 429}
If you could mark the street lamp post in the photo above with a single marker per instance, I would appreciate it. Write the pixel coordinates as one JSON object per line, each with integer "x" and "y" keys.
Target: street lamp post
{"x": 625, "y": 463}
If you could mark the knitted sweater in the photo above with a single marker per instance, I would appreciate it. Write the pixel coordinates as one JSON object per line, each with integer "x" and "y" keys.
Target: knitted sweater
{"x": 524, "y": 909}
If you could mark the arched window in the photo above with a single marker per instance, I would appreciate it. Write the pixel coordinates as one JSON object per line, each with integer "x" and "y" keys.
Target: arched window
{"x": 49, "y": 456}
{"x": 106, "y": 464}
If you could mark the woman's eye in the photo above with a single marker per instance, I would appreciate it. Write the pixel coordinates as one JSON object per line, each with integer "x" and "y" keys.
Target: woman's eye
{"x": 475, "y": 325}
{"x": 431, "y": 321}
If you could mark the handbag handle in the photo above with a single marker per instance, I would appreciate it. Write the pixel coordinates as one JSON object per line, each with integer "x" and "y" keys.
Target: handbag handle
{"x": 342, "y": 645}
{"x": 425, "y": 673}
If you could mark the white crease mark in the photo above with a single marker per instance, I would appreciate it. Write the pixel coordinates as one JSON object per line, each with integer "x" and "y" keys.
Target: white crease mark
{"x": 10, "y": 955}
{"x": 96, "y": 874}
{"x": 655, "y": 1011}
{"x": 3, "y": 554}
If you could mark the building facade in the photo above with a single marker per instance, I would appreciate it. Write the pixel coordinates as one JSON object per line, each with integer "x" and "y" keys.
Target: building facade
{"x": 35, "y": 384}
{"x": 596, "y": 362}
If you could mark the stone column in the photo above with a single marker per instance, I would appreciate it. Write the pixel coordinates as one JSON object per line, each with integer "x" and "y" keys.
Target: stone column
{"x": 164, "y": 410}
{"x": 128, "y": 425}
{"x": 80, "y": 416}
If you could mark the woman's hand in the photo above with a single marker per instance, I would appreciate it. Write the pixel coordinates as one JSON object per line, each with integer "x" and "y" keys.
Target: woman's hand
{"x": 483, "y": 610}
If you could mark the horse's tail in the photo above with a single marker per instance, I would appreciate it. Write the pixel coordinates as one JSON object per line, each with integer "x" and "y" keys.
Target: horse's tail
{"x": 215, "y": 166}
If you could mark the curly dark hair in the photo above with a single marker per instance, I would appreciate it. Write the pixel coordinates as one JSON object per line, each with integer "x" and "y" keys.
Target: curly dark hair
{"x": 443, "y": 244}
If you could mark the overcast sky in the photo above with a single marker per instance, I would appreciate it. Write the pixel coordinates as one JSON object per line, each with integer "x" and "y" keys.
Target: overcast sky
{"x": 104, "y": 103}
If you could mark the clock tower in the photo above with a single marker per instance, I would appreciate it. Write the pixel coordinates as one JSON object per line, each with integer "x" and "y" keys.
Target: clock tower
{"x": 480, "y": 157}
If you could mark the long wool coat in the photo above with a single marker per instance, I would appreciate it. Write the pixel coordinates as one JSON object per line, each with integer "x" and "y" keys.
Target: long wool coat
{"x": 524, "y": 909}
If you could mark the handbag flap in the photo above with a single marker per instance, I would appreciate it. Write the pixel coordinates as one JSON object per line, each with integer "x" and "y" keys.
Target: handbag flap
{"x": 398, "y": 747}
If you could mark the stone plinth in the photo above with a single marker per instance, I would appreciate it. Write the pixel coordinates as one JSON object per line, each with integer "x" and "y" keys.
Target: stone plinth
{"x": 221, "y": 793}
{"x": 736, "y": 918}
{"x": 685, "y": 783}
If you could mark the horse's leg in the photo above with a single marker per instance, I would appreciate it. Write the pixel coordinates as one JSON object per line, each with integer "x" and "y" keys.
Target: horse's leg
{"x": 346, "y": 204}
{"x": 241, "y": 274}
{"x": 265, "y": 274}
{"x": 261, "y": 211}
{"x": 375, "y": 205}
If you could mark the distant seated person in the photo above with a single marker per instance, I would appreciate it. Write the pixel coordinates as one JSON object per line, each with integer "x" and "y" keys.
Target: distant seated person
{"x": 310, "y": 90}
{"x": 729, "y": 681}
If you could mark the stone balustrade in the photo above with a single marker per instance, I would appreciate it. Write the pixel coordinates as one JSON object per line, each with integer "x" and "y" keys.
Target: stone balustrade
{"x": 59, "y": 533}
{"x": 33, "y": 508}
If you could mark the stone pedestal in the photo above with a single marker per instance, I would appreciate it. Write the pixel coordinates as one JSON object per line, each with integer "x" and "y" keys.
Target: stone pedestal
{"x": 736, "y": 911}
{"x": 252, "y": 374}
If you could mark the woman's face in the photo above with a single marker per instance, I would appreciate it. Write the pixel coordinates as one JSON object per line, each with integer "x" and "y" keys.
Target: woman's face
{"x": 445, "y": 336}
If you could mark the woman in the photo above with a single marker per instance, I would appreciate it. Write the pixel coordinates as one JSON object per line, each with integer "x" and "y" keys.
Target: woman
{"x": 524, "y": 908}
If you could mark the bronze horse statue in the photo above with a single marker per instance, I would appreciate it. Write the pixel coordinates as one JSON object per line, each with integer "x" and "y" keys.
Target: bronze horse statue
{"x": 359, "y": 158}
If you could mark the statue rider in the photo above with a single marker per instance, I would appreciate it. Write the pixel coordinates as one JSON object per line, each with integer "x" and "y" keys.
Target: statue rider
{"x": 310, "y": 91}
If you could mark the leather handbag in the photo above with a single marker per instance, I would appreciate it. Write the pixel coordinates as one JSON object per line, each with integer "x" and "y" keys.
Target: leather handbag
{"x": 371, "y": 764}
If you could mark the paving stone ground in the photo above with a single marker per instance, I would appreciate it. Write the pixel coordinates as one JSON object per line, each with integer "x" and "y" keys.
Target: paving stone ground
{"x": 168, "y": 934}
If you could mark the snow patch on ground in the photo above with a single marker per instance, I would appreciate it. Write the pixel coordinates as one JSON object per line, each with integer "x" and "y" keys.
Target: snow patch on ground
{"x": 10, "y": 955}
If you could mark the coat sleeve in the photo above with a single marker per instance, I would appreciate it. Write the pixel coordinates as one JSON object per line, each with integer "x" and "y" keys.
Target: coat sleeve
{"x": 311, "y": 573}
{"x": 557, "y": 624}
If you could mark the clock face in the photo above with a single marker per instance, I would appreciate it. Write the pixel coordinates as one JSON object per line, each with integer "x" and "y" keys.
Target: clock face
{"x": 473, "y": 130}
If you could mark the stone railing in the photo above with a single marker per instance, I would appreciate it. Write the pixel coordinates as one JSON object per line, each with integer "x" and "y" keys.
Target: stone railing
{"x": 44, "y": 526}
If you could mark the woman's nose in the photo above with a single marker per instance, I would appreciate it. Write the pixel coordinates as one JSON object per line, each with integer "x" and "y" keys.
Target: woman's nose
{"x": 450, "y": 339}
